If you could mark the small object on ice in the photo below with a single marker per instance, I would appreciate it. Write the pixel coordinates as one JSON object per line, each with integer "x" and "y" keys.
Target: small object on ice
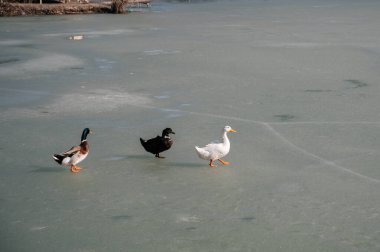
{"x": 76, "y": 37}
{"x": 76, "y": 154}
{"x": 158, "y": 144}
{"x": 189, "y": 219}
{"x": 38, "y": 228}
{"x": 216, "y": 149}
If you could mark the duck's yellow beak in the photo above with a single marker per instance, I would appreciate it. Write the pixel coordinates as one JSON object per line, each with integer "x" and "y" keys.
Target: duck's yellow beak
{"x": 232, "y": 130}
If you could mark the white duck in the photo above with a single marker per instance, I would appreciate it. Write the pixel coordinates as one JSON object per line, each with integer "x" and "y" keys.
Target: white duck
{"x": 216, "y": 149}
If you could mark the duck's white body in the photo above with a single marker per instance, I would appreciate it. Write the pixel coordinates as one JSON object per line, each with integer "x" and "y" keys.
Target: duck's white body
{"x": 216, "y": 149}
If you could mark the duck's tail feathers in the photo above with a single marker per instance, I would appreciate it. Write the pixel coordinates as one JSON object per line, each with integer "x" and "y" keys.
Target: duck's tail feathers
{"x": 58, "y": 158}
{"x": 143, "y": 143}
{"x": 201, "y": 152}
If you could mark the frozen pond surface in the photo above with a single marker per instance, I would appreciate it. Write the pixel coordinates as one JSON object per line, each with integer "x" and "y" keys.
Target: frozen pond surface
{"x": 298, "y": 80}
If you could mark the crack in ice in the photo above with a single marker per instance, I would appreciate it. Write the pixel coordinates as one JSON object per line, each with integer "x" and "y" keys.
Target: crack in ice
{"x": 320, "y": 159}
{"x": 268, "y": 127}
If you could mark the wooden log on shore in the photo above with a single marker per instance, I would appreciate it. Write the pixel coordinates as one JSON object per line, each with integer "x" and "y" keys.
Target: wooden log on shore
{"x": 117, "y": 6}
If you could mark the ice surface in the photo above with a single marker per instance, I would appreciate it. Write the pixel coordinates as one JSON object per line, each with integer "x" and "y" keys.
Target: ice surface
{"x": 298, "y": 80}
{"x": 15, "y": 97}
{"x": 92, "y": 34}
{"x": 159, "y": 52}
{"x": 48, "y": 63}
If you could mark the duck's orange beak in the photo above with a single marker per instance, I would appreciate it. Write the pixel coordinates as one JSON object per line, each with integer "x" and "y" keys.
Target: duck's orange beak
{"x": 232, "y": 130}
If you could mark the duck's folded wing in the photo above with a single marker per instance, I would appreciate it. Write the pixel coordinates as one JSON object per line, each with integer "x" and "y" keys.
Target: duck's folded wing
{"x": 71, "y": 151}
{"x": 155, "y": 140}
{"x": 217, "y": 141}
{"x": 213, "y": 145}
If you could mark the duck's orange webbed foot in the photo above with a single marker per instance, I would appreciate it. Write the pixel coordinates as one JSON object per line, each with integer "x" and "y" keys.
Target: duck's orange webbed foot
{"x": 224, "y": 162}
{"x": 212, "y": 165}
{"x": 75, "y": 169}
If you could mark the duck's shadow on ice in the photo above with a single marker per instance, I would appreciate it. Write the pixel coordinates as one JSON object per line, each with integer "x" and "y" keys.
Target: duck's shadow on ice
{"x": 121, "y": 217}
{"x": 185, "y": 165}
{"x": 162, "y": 162}
{"x": 38, "y": 168}
{"x": 125, "y": 157}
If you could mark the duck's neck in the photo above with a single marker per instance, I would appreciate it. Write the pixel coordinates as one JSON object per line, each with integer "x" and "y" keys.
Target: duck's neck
{"x": 225, "y": 138}
{"x": 84, "y": 145}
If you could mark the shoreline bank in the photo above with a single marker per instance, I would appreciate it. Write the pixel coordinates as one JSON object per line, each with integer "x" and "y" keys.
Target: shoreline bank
{"x": 33, "y": 9}
{"x": 19, "y": 9}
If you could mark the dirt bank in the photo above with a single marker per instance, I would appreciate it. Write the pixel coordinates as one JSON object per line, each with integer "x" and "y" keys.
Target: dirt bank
{"x": 17, "y": 9}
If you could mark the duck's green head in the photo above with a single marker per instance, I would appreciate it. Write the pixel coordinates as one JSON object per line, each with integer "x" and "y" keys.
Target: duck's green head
{"x": 85, "y": 132}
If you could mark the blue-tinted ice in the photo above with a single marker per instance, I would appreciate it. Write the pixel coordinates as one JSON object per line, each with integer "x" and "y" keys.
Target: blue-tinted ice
{"x": 298, "y": 80}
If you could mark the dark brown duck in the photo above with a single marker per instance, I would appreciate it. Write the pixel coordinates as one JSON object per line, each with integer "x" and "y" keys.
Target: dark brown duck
{"x": 158, "y": 144}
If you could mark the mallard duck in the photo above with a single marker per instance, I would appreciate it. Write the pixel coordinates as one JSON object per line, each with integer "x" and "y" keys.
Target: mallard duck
{"x": 76, "y": 154}
{"x": 216, "y": 149}
{"x": 158, "y": 144}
